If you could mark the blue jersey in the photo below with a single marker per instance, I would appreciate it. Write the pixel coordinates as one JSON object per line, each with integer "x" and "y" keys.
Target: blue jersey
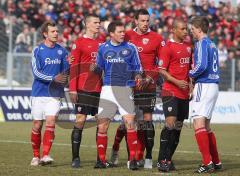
{"x": 119, "y": 63}
{"x": 46, "y": 64}
{"x": 206, "y": 64}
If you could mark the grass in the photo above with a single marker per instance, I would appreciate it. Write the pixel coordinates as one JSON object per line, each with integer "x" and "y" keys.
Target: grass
{"x": 16, "y": 152}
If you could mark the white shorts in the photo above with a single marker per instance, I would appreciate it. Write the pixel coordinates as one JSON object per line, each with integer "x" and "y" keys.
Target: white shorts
{"x": 45, "y": 106}
{"x": 113, "y": 98}
{"x": 204, "y": 99}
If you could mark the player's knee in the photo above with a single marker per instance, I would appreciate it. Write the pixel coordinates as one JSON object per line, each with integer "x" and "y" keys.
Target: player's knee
{"x": 170, "y": 123}
{"x": 103, "y": 125}
{"x": 37, "y": 125}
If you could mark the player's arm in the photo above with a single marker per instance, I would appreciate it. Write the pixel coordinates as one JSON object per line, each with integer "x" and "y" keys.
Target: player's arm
{"x": 99, "y": 67}
{"x": 74, "y": 71}
{"x": 37, "y": 68}
{"x": 137, "y": 68}
{"x": 163, "y": 66}
{"x": 202, "y": 60}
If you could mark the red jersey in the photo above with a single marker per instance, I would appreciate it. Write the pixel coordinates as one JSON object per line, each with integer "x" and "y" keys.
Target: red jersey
{"x": 176, "y": 60}
{"x": 149, "y": 46}
{"x": 84, "y": 51}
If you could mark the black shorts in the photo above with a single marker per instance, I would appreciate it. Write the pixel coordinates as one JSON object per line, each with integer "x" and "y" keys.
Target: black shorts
{"x": 173, "y": 106}
{"x": 145, "y": 100}
{"x": 87, "y": 103}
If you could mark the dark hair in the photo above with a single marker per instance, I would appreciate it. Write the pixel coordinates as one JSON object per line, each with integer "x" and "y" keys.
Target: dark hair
{"x": 200, "y": 22}
{"x": 86, "y": 18}
{"x": 112, "y": 26}
{"x": 141, "y": 12}
{"x": 44, "y": 27}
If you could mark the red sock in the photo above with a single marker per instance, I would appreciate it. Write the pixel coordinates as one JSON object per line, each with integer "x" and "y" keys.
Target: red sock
{"x": 121, "y": 132}
{"x": 132, "y": 143}
{"x": 140, "y": 145}
{"x": 48, "y": 139}
{"x": 213, "y": 147}
{"x": 201, "y": 135}
{"x": 102, "y": 141}
{"x": 36, "y": 142}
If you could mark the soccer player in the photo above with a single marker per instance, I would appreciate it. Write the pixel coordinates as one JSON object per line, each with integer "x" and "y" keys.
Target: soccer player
{"x": 174, "y": 65}
{"x": 49, "y": 67}
{"x": 149, "y": 45}
{"x": 85, "y": 85}
{"x": 120, "y": 64}
{"x": 206, "y": 77}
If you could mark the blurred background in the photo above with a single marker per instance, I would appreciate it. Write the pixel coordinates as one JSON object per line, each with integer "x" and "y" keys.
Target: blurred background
{"x": 20, "y": 21}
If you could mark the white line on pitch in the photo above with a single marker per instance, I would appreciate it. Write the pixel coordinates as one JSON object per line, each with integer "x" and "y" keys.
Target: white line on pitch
{"x": 93, "y": 146}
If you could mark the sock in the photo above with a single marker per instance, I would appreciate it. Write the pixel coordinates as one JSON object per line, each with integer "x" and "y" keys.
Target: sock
{"x": 128, "y": 152}
{"x": 121, "y": 132}
{"x": 164, "y": 139}
{"x": 201, "y": 135}
{"x": 213, "y": 147}
{"x": 132, "y": 143}
{"x": 149, "y": 134}
{"x": 48, "y": 139}
{"x": 140, "y": 144}
{"x": 174, "y": 140}
{"x": 36, "y": 142}
{"x": 98, "y": 159}
{"x": 102, "y": 140}
{"x": 76, "y": 138}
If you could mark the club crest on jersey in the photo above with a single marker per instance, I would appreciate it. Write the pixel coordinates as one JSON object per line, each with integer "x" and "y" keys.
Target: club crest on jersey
{"x": 74, "y": 46}
{"x": 145, "y": 41}
{"x": 125, "y": 53}
{"x": 189, "y": 49}
{"x": 60, "y": 52}
{"x": 160, "y": 62}
{"x": 163, "y": 43}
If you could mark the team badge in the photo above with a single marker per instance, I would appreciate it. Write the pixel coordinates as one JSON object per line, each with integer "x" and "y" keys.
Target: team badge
{"x": 74, "y": 46}
{"x": 145, "y": 41}
{"x": 189, "y": 49}
{"x": 160, "y": 62}
{"x": 163, "y": 43}
{"x": 169, "y": 109}
{"x": 60, "y": 52}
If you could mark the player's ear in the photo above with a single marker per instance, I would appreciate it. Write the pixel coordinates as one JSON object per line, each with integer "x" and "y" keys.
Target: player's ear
{"x": 45, "y": 34}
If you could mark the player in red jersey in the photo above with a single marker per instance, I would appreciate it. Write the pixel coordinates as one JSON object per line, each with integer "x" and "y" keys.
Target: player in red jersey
{"x": 149, "y": 44}
{"x": 85, "y": 85}
{"x": 174, "y": 65}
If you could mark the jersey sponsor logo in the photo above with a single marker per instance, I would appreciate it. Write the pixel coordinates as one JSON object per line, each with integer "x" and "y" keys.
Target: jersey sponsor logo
{"x": 94, "y": 55}
{"x": 145, "y": 41}
{"x": 48, "y": 61}
{"x": 114, "y": 60}
{"x": 60, "y": 52}
{"x": 74, "y": 46}
{"x": 185, "y": 60}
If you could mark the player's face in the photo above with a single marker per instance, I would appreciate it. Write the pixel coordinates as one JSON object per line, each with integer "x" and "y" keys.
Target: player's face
{"x": 143, "y": 23}
{"x": 52, "y": 34}
{"x": 181, "y": 31}
{"x": 195, "y": 31}
{"x": 93, "y": 24}
{"x": 118, "y": 35}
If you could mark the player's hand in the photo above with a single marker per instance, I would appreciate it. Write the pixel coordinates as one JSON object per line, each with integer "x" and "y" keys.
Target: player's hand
{"x": 139, "y": 82}
{"x": 61, "y": 78}
{"x": 191, "y": 87}
{"x": 70, "y": 59}
{"x": 182, "y": 84}
{"x": 73, "y": 97}
{"x": 146, "y": 82}
{"x": 93, "y": 67}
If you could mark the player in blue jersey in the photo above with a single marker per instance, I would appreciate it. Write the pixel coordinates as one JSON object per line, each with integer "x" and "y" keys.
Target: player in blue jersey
{"x": 205, "y": 74}
{"x": 49, "y": 67}
{"x": 121, "y": 66}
